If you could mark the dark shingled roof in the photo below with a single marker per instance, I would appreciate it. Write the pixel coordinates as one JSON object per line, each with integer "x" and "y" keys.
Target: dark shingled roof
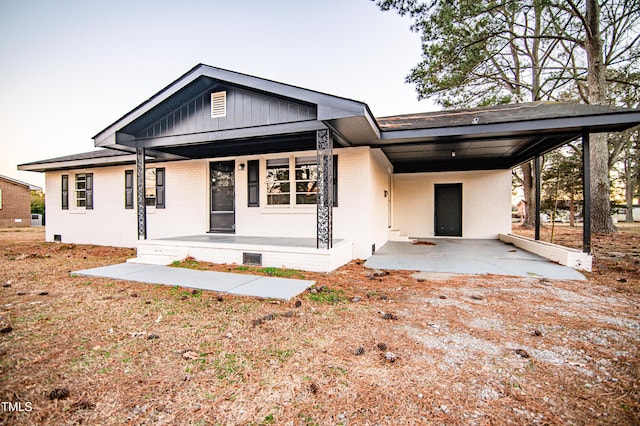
{"x": 91, "y": 155}
{"x": 492, "y": 115}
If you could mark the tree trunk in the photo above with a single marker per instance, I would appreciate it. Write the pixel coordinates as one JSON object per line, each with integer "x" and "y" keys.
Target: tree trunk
{"x": 629, "y": 191}
{"x": 600, "y": 191}
{"x": 572, "y": 208}
{"x": 529, "y": 188}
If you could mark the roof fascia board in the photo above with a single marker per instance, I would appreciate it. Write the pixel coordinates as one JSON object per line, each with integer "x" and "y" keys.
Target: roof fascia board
{"x": 596, "y": 123}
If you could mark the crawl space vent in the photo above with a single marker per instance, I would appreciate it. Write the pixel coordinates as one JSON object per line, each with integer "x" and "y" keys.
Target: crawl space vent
{"x": 253, "y": 259}
{"x": 219, "y": 104}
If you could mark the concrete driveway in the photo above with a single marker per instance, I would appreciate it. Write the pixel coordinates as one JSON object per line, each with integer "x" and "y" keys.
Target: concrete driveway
{"x": 460, "y": 256}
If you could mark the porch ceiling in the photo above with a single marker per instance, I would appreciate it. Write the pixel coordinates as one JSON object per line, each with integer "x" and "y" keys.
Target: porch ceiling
{"x": 246, "y": 146}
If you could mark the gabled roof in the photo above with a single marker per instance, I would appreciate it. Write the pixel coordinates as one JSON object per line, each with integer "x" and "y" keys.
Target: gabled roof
{"x": 21, "y": 183}
{"x": 329, "y": 107}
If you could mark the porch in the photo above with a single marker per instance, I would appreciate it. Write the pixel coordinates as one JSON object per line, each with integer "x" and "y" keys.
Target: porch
{"x": 278, "y": 252}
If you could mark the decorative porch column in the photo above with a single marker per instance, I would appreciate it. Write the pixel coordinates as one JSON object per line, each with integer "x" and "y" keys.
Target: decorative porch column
{"x": 586, "y": 193}
{"x": 324, "y": 148}
{"x": 140, "y": 179}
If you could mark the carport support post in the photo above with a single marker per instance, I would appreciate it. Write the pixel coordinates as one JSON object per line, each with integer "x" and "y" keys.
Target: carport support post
{"x": 586, "y": 193}
{"x": 324, "y": 147}
{"x": 538, "y": 188}
{"x": 142, "y": 208}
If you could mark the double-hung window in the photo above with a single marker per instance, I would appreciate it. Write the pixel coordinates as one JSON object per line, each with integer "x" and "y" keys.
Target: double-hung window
{"x": 154, "y": 191}
{"x": 278, "y": 183}
{"x": 84, "y": 190}
{"x": 150, "y": 187}
{"x": 303, "y": 186}
{"x": 306, "y": 174}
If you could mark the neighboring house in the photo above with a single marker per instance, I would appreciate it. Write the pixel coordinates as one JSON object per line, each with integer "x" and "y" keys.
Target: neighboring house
{"x": 620, "y": 212}
{"x": 299, "y": 178}
{"x": 15, "y": 202}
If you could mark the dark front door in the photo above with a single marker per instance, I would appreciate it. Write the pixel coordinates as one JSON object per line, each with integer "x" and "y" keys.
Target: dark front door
{"x": 448, "y": 210}
{"x": 223, "y": 215}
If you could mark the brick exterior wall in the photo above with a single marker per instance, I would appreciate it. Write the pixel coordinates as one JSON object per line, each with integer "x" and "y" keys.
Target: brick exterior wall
{"x": 16, "y": 205}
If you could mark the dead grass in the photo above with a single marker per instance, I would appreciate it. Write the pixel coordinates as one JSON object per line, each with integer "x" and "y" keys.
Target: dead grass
{"x": 459, "y": 346}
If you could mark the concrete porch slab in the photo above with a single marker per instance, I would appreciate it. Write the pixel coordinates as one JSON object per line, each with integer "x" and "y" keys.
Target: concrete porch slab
{"x": 290, "y": 253}
{"x": 460, "y": 256}
{"x": 224, "y": 282}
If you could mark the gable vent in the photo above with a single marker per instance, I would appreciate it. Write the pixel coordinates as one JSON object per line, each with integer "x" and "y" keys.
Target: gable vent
{"x": 218, "y": 104}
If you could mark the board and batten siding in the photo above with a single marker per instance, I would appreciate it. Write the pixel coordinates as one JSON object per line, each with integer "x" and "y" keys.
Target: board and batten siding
{"x": 486, "y": 202}
{"x": 244, "y": 109}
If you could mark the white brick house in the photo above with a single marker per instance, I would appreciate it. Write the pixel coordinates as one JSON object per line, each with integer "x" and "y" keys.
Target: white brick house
{"x": 218, "y": 153}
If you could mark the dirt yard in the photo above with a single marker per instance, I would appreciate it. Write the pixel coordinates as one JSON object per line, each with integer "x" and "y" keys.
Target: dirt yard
{"x": 360, "y": 350}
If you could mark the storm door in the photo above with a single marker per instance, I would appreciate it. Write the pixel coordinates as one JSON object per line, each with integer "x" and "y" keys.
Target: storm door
{"x": 448, "y": 210}
{"x": 222, "y": 215}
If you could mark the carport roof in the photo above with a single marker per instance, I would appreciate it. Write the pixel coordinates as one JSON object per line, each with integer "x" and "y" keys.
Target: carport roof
{"x": 496, "y": 137}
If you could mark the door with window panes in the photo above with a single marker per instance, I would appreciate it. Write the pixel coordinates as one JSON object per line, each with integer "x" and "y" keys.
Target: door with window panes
{"x": 222, "y": 213}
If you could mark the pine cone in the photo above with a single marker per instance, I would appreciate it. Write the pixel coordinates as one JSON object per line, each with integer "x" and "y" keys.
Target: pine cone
{"x": 359, "y": 351}
{"x": 59, "y": 393}
{"x": 382, "y": 346}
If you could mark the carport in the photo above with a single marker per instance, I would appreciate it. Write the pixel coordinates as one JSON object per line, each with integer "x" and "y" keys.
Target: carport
{"x": 499, "y": 137}
{"x": 465, "y": 256}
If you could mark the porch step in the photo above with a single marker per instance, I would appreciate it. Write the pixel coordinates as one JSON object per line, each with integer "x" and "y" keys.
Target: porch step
{"x": 150, "y": 253}
{"x": 396, "y": 235}
{"x": 153, "y": 260}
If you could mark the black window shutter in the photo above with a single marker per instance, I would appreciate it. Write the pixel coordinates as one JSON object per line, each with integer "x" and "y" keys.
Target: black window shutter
{"x": 128, "y": 189}
{"x": 65, "y": 192}
{"x": 89, "y": 205}
{"x": 253, "y": 186}
{"x": 335, "y": 181}
{"x": 160, "y": 188}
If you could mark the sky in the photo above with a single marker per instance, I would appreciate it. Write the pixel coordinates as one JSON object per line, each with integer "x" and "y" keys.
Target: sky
{"x": 70, "y": 68}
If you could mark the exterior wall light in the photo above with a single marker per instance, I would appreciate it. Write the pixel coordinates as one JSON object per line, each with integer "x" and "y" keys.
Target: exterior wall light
{"x": 241, "y": 166}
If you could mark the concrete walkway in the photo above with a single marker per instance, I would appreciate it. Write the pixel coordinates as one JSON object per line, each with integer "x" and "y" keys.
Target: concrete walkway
{"x": 224, "y": 282}
{"x": 458, "y": 256}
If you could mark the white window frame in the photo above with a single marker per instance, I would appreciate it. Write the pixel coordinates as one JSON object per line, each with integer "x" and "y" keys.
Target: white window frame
{"x": 305, "y": 187}
{"x": 76, "y": 191}
{"x": 294, "y": 164}
{"x": 272, "y": 184}
{"x": 150, "y": 195}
